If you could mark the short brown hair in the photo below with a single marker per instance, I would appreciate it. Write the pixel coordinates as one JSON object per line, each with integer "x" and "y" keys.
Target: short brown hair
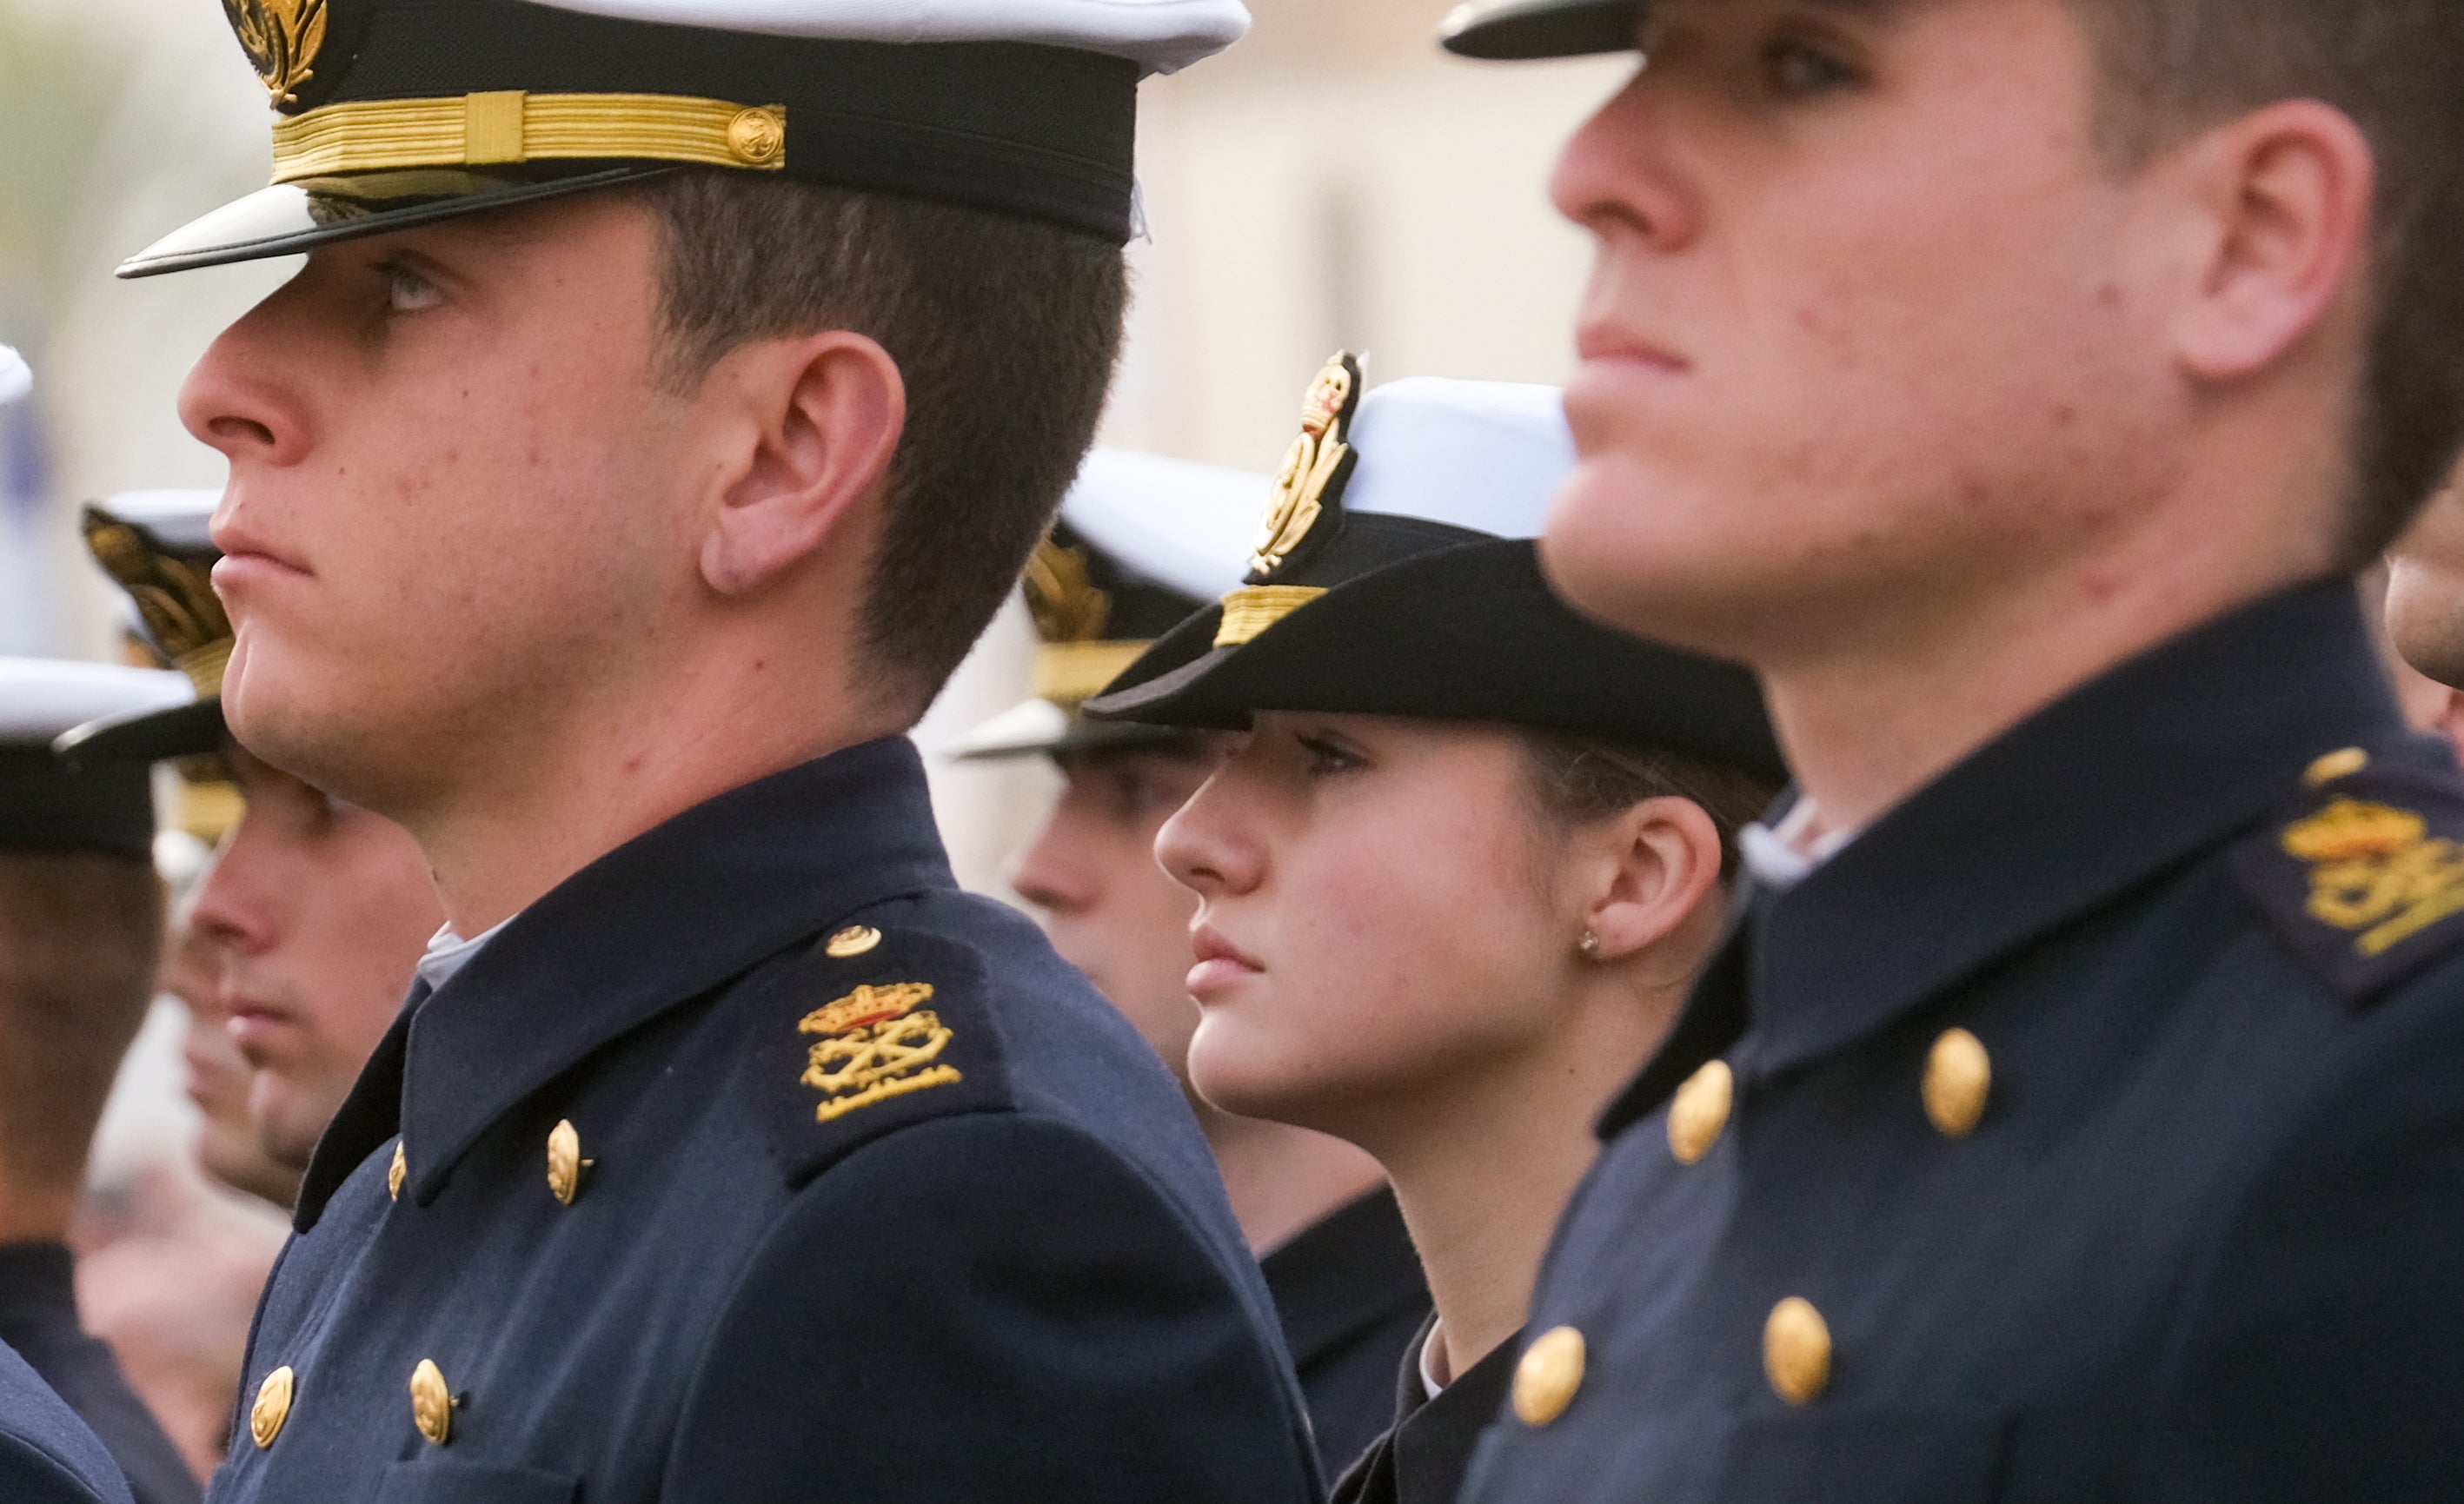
{"x": 1006, "y": 331}
{"x": 81, "y": 938}
{"x": 2396, "y": 67}
{"x": 1578, "y": 779}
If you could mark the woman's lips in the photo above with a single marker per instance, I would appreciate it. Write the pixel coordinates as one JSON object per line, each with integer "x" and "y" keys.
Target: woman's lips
{"x": 1221, "y": 964}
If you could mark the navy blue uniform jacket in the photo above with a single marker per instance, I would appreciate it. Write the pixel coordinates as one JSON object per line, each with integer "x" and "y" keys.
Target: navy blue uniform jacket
{"x": 2204, "y": 1240}
{"x": 47, "y": 1454}
{"x": 39, "y": 1317}
{"x": 883, "y": 1203}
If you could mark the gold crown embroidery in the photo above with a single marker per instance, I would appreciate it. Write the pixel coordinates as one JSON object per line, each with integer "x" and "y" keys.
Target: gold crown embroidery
{"x": 878, "y": 1042}
{"x": 282, "y": 38}
{"x": 1062, "y": 597}
{"x": 2376, "y": 871}
{"x": 1311, "y": 466}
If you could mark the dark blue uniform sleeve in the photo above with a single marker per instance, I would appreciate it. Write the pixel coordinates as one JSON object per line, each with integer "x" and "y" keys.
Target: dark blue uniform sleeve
{"x": 986, "y": 1307}
{"x": 47, "y": 1454}
{"x": 2323, "y": 1355}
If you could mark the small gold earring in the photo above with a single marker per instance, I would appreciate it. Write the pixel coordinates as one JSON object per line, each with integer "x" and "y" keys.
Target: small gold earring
{"x": 1589, "y": 945}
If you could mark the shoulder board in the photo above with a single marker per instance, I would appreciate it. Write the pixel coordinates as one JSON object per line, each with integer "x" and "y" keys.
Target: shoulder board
{"x": 2364, "y": 872}
{"x": 868, "y": 1031}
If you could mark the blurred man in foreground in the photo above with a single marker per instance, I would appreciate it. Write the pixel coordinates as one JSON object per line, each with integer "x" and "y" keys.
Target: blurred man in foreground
{"x": 2019, "y": 386}
{"x": 1143, "y": 543}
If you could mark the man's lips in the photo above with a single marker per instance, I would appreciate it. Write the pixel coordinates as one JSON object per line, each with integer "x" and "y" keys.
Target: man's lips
{"x": 247, "y": 554}
{"x": 1604, "y": 346}
{"x": 254, "y": 1026}
{"x": 1221, "y": 964}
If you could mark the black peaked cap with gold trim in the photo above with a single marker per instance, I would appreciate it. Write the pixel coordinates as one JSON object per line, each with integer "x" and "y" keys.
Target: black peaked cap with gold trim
{"x": 396, "y": 113}
{"x": 153, "y": 545}
{"x": 47, "y": 805}
{"x": 1513, "y": 31}
{"x": 1142, "y": 542}
{"x": 1396, "y": 575}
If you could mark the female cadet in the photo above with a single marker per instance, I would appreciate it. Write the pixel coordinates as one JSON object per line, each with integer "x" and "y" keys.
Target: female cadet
{"x": 1463, "y": 863}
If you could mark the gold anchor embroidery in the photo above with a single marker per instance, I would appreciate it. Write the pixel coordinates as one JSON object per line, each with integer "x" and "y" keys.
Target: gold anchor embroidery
{"x": 281, "y": 37}
{"x": 878, "y": 1042}
{"x": 1309, "y": 466}
{"x": 2376, "y": 869}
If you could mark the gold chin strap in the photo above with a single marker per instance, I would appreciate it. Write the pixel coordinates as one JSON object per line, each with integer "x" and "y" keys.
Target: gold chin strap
{"x": 1254, "y": 608}
{"x": 487, "y": 129}
{"x": 1069, "y": 672}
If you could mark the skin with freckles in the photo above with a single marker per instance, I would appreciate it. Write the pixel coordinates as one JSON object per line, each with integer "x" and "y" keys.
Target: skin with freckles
{"x": 499, "y": 574}
{"x": 1112, "y": 912}
{"x": 1939, "y": 411}
{"x": 1388, "y": 943}
{"x": 317, "y": 912}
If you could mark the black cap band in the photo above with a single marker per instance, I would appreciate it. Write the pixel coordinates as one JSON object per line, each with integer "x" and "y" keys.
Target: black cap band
{"x": 46, "y": 807}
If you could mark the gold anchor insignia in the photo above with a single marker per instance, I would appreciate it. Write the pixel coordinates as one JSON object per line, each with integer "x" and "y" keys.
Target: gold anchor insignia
{"x": 1065, "y": 603}
{"x": 876, "y": 1045}
{"x": 1311, "y": 466}
{"x": 281, "y": 37}
{"x": 2378, "y": 870}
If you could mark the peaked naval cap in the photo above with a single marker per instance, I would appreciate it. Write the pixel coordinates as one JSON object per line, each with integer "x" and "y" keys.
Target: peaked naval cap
{"x": 1514, "y": 30}
{"x": 45, "y": 805}
{"x": 1142, "y": 542}
{"x": 1396, "y": 575}
{"x": 153, "y": 545}
{"x": 396, "y": 113}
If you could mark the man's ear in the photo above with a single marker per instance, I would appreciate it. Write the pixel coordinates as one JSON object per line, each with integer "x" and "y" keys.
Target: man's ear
{"x": 820, "y": 417}
{"x": 1664, "y": 861}
{"x": 2282, "y": 200}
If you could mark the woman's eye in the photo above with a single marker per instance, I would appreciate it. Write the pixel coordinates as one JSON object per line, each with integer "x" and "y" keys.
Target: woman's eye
{"x": 407, "y": 292}
{"x": 1800, "y": 69}
{"x": 1326, "y": 757}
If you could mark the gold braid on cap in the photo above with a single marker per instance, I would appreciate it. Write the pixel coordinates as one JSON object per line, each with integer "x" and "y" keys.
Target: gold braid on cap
{"x": 175, "y": 596}
{"x": 1075, "y": 660}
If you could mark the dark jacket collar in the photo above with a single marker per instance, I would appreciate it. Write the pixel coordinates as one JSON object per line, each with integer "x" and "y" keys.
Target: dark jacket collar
{"x": 37, "y": 1283}
{"x": 2109, "y": 785}
{"x": 658, "y": 921}
{"x": 1344, "y": 1274}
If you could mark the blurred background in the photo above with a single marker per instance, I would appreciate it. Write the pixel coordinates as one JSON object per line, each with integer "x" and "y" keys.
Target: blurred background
{"x": 1334, "y": 182}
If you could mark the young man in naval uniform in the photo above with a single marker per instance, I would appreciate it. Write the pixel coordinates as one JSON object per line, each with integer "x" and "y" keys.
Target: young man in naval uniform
{"x": 665, "y": 405}
{"x": 1143, "y": 543}
{"x": 2076, "y": 1112}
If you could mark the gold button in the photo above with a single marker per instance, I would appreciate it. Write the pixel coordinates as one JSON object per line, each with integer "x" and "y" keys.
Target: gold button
{"x": 2336, "y": 765}
{"x": 394, "y": 1176}
{"x": 432, "y": 1405}
{"x": 1796, "y": 1350}
{"x": 565, "y": 1160}
{"x": 1958, "y": 1078}
{"x": 1547, "y": 1377}
{"x": 758, "y": 137}
{"x": 1698, "y": 1111}
{"x": 852, "y": 941}
{"x": 272, "y": 1409}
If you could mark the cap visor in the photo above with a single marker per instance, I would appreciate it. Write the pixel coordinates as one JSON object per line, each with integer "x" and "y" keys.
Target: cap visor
{"x": 1519, "y": 31}
{"x": 184, "y": 730}
{"x": 293, "y": 217}
{"x": 1040, "y": 728}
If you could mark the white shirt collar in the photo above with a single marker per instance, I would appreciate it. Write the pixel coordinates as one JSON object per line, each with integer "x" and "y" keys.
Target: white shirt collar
{"x": 1783, "y": 856}
{"x": 1429, "y": 1379}
{"x": 448, "y": 953}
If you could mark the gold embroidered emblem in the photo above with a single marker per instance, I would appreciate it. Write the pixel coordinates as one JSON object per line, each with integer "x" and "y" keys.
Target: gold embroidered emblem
{"x": 877, "y": 1042}
{"x": 1311, "y": 464}
{"x": 281, "y": 37}
{"x": 2377, "y": 870}
{"x": 174, "y": 595}
{"x": 1062, "y": 597}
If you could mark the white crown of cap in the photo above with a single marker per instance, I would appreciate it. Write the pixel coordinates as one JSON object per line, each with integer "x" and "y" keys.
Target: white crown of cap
{"x": 1485, "y": 455}
{"x": 1182, "y": 525}
{"x": 42, "y": 697}
{"x": 1159, "y": 36}
{"x": 180, "y": 518}
{"x": 16, "y": 380}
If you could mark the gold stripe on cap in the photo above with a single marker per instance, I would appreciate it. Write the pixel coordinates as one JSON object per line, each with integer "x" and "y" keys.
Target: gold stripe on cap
{"x": 1250, "y": 611}
{"x": 1073, "y": 671}
{"x": 204, "y": 665}
{"x": 483, "y": 129}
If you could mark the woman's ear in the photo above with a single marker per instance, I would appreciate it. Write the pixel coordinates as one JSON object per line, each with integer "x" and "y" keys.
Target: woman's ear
{"x": 1663, "y": 863}
{"x": 823, "y": 417}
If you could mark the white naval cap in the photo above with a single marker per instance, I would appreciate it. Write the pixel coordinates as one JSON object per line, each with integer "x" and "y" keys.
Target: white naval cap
{"x": 1486, "y": 455}
{"x": 16, "y": 379}
{"x": 1159, "y": 36}
{"x": 42, "y": 697}
{"x": 1175, "y": 522}
{"x": 179, "y": 519}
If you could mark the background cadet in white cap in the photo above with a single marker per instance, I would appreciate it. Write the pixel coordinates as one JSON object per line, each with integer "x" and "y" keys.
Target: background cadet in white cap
{"x": 81, "y": 933}
{"x": 314, "y": 912}
{"x": 1143, "y": 543}
{"x": 666, "y": 404}
{"x": 1457, "y": 875}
